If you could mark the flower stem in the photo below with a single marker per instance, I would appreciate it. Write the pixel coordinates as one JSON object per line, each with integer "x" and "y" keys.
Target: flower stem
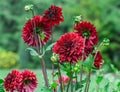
{"x": 81, "y": 70}
{"x": 38, "y": 50}
{"x": 87, "y": 82}
{"x": 76, "y": 82}
{"x": 71, "y": 75}
{"x": 60, "y": 77}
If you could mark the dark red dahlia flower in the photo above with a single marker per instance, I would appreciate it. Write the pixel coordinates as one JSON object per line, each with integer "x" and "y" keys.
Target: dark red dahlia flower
{"x": 29, "y": 82}
{"x": 88, "y": 31}
{"x": 13, "y": 81}
{"x": 38, "y": 27}
{"x": 53, "y": 15}
{"x": 69, "y": 47}
{"x": 98, "y": 60}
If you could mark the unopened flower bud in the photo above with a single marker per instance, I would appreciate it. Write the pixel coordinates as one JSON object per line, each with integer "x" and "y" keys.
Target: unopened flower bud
{"x": 54, "y": 58}
{"x": 106, "y": 42}
{"x": 28, "y": 7}
{"x": 77, "y": 19}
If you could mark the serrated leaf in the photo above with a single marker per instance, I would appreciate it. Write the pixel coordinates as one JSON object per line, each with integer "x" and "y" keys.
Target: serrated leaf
{"x": 99, "y": 79}
{"x": 1, "y": 81}
{"x": 32, "y": 52}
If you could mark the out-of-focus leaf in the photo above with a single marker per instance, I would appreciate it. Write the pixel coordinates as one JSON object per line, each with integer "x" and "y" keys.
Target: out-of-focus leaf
{"x": 99, "y": 79}
{"x": 45, "y": 89}
{"x": 32, "y": 52}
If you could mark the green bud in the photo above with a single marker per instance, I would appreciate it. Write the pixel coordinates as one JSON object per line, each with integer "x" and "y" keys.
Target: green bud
{"x": 28, "y": 7}
{"x": 54, "y": 58}
{"x": 77, "y": 19}
{"x": 106, "y": 42}
{"x": 75, "y": 69}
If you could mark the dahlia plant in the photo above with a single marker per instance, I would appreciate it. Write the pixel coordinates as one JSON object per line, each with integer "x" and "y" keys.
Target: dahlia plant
{"x": 74, "y": 53}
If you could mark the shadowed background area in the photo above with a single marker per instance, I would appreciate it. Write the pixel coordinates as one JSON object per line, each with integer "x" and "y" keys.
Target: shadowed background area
{"x": 104, "y": 14}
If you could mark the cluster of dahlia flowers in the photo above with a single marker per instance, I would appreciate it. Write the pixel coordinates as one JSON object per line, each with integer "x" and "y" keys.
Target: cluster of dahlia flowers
{"x": 25, "y": 81}
{"x": 38, "y": 30}
{"x": 78, "y": 45}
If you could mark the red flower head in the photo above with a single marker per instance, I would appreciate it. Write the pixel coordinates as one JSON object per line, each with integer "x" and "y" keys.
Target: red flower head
{"x": 43, "y": 32}
{"x": 65, "y": 79}
{"x": 69, "y": 47}
{"x": 53, "y": 15}
{"x": 29, "y": 82}
{"x": 88, "y": 31}
{"x": 98, "y": 60}
{"x": 13, "y": 81}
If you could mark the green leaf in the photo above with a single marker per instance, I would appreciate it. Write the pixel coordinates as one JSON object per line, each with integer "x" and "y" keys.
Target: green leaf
{"x": 88, "y": 62}
{"x": 99, "y": 79}
{"x": 32, "y": 52}
{"x": 54, "y": 85}
{"x": 1, "y": 81}
{"x": 42, "y": 36}
{"x": 49, "y": 47}
{"x": 118, "y": 85}
{"x": 106, "y": 87}
{"x": 115, "y": 70}
{"x": 1, "y": 89}
{"x": 45, "y": 89}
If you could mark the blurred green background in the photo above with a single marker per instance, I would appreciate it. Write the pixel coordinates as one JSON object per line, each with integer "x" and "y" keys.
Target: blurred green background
{"x": 104, "y": 14}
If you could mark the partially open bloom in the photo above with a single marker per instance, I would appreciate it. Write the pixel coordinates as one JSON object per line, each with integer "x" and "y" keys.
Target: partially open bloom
{"x": 87, "y": 31}
{"x": 69, "y": 47}
{"x": 36, "y": 32}
{"x": 98, "y": 60}
{"x": 64, "y": 79}
{"x": 53, "y": 15}
{"x": 13, "y": 81}
{"x": 29, "y": 82}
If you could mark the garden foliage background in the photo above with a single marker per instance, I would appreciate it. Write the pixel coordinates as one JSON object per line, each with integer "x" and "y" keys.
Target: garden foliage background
{"x": 104, "y": 14}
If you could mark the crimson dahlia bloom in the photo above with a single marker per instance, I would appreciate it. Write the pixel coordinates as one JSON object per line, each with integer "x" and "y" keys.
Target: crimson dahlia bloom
{"x": 43, "y": 31}
{"x": 53, "y": 15}
{"x": 13, "y": 81}
{"x": 98, "y": 60}
{"x": 29, "y": 81}
{"x": 69, "y": 47}
{"x": 88, "y": 31}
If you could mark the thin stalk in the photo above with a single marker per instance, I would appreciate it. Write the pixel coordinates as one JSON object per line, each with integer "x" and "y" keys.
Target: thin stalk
{"x": 76, "y": 81}
{"x": 81, "y": 70}
{"x": 71, "y": 83}
{"x": 60, "y": 77}
{"x": 87, "y": 82}
{"x": 38, "y": 50}
{"x": 68, "y": 86}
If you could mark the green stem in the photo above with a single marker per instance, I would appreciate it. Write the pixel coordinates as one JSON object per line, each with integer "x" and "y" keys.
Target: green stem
{"x": 81, "y": 70}
{"x": 71, "y": 75}
{"x": 60, "y": 77}
{"x": 76, "y": 81}
{"x": 87, "y": 82}
{"x": 42, "y": 62}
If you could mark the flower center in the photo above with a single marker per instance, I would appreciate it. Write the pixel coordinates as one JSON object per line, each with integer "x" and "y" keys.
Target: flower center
{"x": 40, "y": 32}
{"x": 86, "y": 34}
{"x": 51, "y": 13}
{"x": 27, "y": 82}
